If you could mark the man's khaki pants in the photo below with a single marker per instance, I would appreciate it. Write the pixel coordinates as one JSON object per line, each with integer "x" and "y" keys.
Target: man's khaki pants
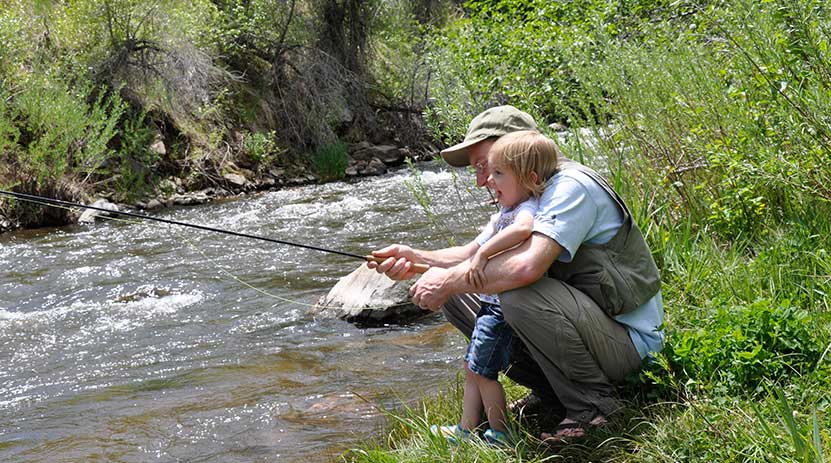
{"x": 571, "y": 349}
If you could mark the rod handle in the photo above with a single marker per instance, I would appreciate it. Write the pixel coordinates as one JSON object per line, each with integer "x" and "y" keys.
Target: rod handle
{"x": 418, "y": 268}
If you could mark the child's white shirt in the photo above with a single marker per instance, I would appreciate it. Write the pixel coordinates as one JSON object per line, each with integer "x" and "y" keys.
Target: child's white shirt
{"x": 499, "y": 221}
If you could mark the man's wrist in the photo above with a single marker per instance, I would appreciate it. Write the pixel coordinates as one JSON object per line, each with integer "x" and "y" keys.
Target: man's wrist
{"x": 455, "y": 278}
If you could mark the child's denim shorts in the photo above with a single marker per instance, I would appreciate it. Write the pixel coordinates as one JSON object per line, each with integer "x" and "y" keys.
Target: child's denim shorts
{"x": 491, "y": 343}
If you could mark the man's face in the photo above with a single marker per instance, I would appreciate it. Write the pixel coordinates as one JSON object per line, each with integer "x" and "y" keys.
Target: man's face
{"x": 478, "y": 157}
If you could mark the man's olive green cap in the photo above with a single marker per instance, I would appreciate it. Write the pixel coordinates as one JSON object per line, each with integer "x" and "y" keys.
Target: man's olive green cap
{"x": 493, "y": 122}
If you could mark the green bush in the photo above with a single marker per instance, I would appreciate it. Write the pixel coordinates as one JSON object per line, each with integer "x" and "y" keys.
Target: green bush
{"x": 262, "y": 147}
{"x": 9, "y": 133}
{"x": 61, "y": 131}
{"x": 330, "y": 161}
{"x": 524, "y": 53}
{"x": 134, "y": 162}
{"x": 725, "y": 103}
{"x": 739, "y": 348}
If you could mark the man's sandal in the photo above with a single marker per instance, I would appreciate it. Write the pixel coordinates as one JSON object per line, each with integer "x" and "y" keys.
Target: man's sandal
{"x": 531, "y": 404}
{"x": 564, "y": 434}
{"x": 569, "y": 432}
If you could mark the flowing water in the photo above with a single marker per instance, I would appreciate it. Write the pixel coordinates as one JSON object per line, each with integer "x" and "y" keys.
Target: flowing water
{"x": 137, "y": 342}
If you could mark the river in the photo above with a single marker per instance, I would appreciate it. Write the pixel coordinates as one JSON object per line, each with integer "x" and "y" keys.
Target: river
{"x": 135, "y": 342}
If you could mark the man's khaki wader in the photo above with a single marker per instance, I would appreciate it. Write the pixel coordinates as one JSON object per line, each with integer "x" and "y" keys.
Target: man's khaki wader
{"x": 572, "y": 349}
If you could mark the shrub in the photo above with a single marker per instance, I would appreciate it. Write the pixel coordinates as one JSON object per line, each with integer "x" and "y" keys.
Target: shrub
{"x": 61, "y": 131}
{"x": 134, "y": 162}
{"x": 261, "y": 147}
{"x": 739, "y": 348}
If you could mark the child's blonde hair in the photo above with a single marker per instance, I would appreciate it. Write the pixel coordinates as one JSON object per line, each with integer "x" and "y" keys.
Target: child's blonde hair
{"x": 526, "y": 152}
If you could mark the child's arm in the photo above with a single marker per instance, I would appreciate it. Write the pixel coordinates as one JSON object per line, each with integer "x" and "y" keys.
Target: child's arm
{"x": 507, "y": 238}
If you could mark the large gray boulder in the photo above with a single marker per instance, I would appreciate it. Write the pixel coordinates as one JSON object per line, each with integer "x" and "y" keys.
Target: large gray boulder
{"x": 366, "y": 297}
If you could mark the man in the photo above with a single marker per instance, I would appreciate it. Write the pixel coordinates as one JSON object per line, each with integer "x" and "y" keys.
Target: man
{"x": 582, "y": 294}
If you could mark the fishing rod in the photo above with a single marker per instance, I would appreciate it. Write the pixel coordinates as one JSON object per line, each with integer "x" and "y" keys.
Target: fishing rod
{"x": 418, "y": 268}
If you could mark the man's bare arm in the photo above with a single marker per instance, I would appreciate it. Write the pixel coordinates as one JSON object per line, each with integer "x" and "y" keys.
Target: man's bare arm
{"x": 510, "y": 270}
{"x": 400, "y": 258}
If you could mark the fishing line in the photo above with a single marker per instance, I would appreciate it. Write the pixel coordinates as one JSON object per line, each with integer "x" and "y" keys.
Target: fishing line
{"x": 57, "y": 204}
{"x": 50, "y": 202}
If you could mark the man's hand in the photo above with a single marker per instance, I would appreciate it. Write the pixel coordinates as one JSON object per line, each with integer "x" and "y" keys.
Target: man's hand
{"x": 434, "y": 288}
{"x": 475, "y": 275}
{"x": 398, "y": 264}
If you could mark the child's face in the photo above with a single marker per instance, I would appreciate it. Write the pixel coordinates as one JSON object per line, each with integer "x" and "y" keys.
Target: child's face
{"x": 505, "y": 183}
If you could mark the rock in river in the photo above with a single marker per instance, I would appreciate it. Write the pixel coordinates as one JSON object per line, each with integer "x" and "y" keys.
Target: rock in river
{"x": 366, "y": 297}
{"x": 89, "y": 215}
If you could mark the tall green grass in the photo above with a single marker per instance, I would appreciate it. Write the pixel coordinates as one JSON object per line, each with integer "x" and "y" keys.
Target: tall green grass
{"x": 330, "y": 161}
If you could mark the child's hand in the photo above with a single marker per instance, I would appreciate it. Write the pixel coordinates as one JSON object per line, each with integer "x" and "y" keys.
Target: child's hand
{"x": 475, "y": 275}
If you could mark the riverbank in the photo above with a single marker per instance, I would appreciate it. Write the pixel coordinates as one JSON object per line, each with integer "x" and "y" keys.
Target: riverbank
{"x": 360, "y": 160}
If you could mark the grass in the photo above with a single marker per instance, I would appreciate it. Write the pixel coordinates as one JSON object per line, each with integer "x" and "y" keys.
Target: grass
{"x": 716, "y": 403}
{"x": 745, "y": 376}
{"x": 670, "y": 416}
{"x": 330, "y": 161}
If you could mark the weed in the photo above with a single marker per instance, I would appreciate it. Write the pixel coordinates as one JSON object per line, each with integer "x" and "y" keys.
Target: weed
{"x": 330, "y": 161}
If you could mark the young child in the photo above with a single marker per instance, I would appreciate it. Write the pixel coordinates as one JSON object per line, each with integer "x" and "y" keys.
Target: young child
{"x": 519, "y": 163}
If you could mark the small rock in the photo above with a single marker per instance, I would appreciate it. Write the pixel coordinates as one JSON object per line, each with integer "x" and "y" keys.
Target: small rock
{"x": 351, "y": 171}
{"x": 189, "y": 199}
{"x": 375, "y": 167}
{"x": 89, "y": 215}
{"x": 236, "y": 180}
{"x": 158, "y": 146}
{"x": 153, "y": 204}
{"x": 557, "y": 127}
{"x": 358, "y": 147}
{"x": 389, "y": 155}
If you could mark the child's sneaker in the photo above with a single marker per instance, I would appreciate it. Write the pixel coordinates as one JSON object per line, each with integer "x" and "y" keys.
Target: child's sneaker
{"x": 454, "y": 434}
{"x": 497, "y": 438}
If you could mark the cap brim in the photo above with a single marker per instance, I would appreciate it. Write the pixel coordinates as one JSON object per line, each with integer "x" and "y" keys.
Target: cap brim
{"x": 456, "y": 155}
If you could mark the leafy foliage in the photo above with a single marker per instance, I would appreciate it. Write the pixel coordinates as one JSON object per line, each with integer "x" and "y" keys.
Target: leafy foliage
{"x": 724, "y": 99}
{"x": 261, "y": 147}
{"x": 62, "y": 131}
{"x": 739, "y": 348}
